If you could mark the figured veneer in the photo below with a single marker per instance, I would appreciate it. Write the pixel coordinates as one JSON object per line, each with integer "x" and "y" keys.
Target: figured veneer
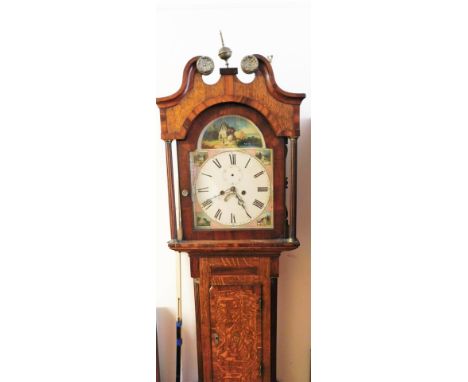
{"x": 263, "y": 94}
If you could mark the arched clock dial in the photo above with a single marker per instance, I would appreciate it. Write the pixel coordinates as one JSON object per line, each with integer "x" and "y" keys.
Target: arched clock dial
{"x": 233, "y": 188}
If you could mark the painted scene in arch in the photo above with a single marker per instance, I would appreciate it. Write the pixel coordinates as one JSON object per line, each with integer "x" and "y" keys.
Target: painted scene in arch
{"x": 230, "y": 131}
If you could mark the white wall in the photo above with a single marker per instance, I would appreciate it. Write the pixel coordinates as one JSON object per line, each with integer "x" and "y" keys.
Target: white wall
{"x": 281, "y": 29}
{"x": 77, "y": 191}
{"x": 390, "y": 187}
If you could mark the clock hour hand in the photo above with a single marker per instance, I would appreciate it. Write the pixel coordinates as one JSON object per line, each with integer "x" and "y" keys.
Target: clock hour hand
{"x": 230, "y": 191}
{"x": 221, "y": 193}
{"x": 226, "y": 198}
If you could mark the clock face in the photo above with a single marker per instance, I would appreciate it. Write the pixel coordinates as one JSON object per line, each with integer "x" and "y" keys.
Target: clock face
{"x": 232, "y": 188}
{"x": 232, "y": 176}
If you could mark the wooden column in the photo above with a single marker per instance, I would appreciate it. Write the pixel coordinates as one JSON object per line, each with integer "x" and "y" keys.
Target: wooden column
{"x": 293, "y": 189}
{"x": 170, "y": 190}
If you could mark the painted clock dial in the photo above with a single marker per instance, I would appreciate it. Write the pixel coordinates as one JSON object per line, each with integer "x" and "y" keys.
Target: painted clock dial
{"x": 232, "y": 183}
{"x": 233, "y": 188}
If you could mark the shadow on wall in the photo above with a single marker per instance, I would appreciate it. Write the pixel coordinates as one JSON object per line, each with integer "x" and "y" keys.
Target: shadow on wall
{"x": 165, "y": 323}
{"x": 293, "y": 331}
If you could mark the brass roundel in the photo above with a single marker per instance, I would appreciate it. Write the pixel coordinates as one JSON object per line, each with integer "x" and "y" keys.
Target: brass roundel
{"x": 205, "y": 65}
{"x": 249, "y": 64}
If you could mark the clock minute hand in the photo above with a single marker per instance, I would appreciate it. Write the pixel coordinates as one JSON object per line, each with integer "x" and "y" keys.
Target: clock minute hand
{"x": 241, "y": 203}
{"x": 215, "y": 196}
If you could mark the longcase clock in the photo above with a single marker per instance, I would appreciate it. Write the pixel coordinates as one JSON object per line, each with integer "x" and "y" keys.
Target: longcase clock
{"x": 234, "y": 143}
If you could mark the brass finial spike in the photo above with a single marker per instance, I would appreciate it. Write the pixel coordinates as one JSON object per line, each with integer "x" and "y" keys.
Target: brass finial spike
{"x": 224, "y": 53}
{"x": 222, "y": 41}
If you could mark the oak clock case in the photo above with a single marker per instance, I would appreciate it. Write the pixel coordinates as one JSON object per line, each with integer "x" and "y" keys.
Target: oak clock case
{"x": 233, "y": 143}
